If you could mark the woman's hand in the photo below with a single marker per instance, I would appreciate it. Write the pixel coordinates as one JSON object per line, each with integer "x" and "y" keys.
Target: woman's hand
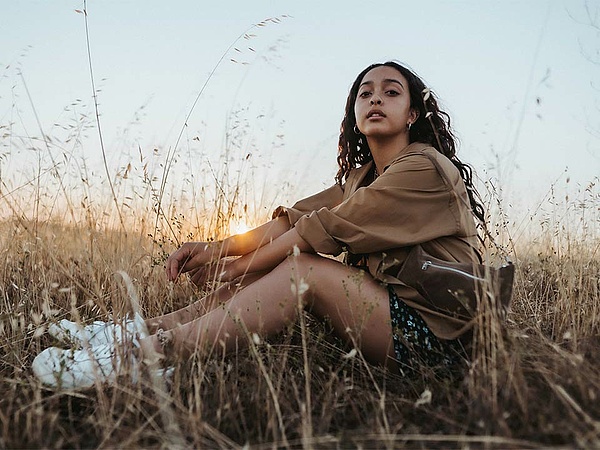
{"x": 191, "y": 256}
{"x": 223, "y": 270}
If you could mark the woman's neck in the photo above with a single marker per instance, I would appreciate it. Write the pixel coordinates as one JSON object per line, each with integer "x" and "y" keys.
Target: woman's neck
{"x": 385, "y": 151}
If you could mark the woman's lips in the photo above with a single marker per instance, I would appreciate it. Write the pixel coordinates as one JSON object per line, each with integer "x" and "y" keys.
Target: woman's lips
{"x": 375, "y": 113}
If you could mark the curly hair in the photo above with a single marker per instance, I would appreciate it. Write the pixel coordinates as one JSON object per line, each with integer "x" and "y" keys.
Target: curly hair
{"x": 431, "y": 127}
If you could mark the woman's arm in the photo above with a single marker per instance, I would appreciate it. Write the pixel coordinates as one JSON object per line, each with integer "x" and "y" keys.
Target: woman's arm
{"x": 262, "y": 259}
{"x": 408, "y": 204}
{"x": 193, "y": 255}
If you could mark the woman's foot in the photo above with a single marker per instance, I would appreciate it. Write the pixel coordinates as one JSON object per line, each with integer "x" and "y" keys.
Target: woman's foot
{"x": 76, "y": 369}
{"x": 97, "y": 333}
{"x": 108, "y": 350}
{"x": 82, "y": 368}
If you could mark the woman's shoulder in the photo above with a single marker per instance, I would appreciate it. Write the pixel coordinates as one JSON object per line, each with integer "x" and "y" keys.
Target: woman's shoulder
{"x": 424, "y": 156}
{"x": 417, "y": 156}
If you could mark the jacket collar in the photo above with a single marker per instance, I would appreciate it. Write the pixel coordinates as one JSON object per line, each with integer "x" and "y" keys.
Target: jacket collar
{"x": 415, "y": 147}
{"x": 359, "y": 174}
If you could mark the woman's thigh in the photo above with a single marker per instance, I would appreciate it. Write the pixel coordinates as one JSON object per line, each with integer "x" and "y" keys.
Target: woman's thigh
{"x": 356, "y": 304}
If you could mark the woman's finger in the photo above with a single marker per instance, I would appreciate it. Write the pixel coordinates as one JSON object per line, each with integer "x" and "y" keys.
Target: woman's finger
{"x": 198, "y": 276}
{"x": 176, "y": 262}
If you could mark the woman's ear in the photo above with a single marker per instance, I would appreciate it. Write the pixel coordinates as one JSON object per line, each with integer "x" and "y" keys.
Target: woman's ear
{"x": 414, "y": 115}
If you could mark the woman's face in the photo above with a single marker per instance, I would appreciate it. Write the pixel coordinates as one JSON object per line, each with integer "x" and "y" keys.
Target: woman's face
{"x": 382, "y": 106}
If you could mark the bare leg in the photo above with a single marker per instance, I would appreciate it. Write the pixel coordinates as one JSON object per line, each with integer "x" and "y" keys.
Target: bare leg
{"x": 202, "y": 306}
{"x": 356, "y": 304}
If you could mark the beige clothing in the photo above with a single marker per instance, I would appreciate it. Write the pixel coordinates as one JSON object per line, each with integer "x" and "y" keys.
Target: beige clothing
{"x": 409, "y": 204}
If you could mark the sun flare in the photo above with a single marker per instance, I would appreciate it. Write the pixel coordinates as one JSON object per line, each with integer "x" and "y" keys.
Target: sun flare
{"x": 239, "y": 227}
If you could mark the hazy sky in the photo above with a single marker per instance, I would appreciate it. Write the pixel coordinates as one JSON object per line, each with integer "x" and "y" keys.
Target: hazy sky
{"x": 514, "y": 75}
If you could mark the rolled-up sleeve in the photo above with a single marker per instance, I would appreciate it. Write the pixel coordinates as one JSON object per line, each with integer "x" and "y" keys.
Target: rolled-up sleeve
{"x": 329, "y": 198}
{"x": 408, "y": 204}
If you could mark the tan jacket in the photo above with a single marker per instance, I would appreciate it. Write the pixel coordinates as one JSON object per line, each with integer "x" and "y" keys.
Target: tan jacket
{"x": 410, "y": 203}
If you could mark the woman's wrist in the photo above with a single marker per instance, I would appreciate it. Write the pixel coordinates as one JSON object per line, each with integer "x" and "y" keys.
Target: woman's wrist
{"x": 233, "y": 270}
{"x": 213, "y": 249}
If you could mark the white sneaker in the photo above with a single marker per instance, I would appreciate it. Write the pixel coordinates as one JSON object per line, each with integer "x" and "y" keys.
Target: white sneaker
{"x": 72, "y": 369}
{"x": 97, "y": 333}
{"x": 79, "y": 369}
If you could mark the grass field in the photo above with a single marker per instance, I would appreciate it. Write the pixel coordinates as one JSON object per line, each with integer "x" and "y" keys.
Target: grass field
{"x": 533, "y": 381}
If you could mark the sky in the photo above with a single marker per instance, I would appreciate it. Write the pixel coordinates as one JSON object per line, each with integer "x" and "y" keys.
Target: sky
{"x": 518, "y": 79}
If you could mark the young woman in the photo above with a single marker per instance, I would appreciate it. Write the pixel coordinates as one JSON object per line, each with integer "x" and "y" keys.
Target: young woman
{"x": 399, "y": 184}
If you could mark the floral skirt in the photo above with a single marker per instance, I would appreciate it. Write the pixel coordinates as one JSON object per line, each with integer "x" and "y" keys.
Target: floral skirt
{"x": 415, "y": 345}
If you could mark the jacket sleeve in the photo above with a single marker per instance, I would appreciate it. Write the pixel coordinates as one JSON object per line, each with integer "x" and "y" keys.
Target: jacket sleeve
{"x": 408, "y": 204}
{"x": 329, "y": 198}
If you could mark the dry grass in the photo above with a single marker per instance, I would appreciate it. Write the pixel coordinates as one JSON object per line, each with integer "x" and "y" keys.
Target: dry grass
{"x": 535, "y": 382}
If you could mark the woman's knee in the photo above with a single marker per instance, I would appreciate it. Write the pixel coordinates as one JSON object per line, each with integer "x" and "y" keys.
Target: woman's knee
{"x": 301, "y": 272}
{"x": 307, "y": 264}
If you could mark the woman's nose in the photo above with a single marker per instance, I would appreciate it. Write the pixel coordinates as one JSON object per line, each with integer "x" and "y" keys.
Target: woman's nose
{"x": 375, "y": 100}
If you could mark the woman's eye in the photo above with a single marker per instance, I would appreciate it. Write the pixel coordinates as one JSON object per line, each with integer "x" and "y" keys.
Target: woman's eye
{"x": 392, "y": 92}
{"x": 364, "y": 94}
